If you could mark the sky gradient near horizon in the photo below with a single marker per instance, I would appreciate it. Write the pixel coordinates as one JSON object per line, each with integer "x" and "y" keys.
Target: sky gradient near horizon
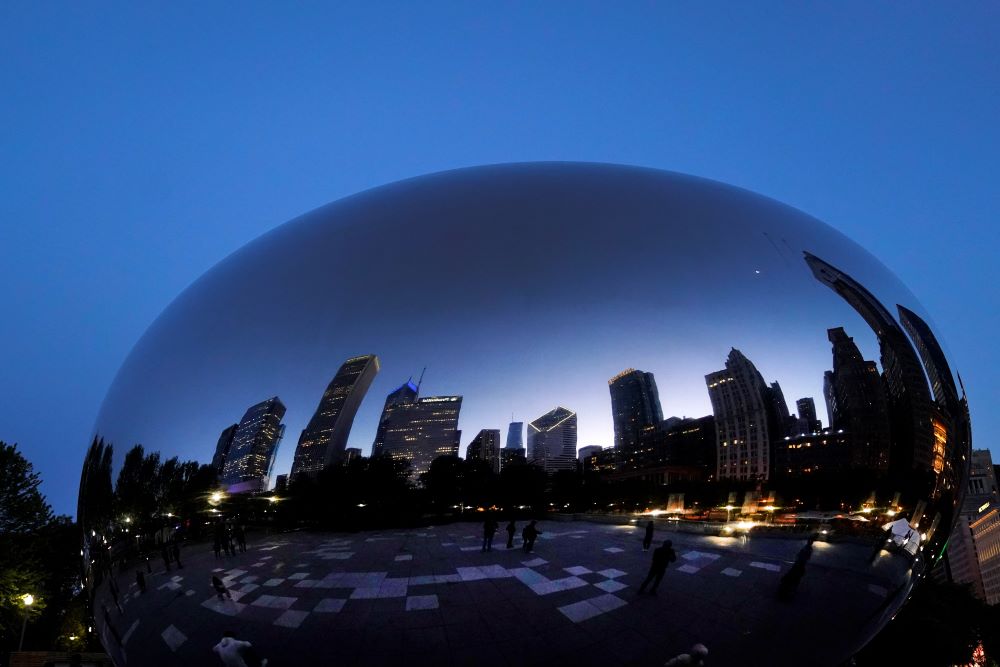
{"x": 146, "y": 143}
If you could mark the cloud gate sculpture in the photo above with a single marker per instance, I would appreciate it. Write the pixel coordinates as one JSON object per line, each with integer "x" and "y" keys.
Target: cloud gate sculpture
{"x": 456, "y": 419}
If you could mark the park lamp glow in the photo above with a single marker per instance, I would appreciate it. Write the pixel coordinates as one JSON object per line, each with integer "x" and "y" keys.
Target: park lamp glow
{"x": 729, "y": 508}
{"x": 28, "y": 599}
{"x": 216, "y": 497}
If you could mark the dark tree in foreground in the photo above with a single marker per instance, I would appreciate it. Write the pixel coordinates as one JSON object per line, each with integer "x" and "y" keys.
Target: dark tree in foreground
{"x": 39, "y": 555}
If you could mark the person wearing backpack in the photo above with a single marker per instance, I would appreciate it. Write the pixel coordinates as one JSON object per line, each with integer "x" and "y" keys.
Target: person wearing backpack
{"x": 662, "y": 557}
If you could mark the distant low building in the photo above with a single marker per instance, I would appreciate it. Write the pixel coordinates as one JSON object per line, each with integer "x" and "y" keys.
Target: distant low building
{"x": 812, "y": 453}
{"x": 587, "y": 451}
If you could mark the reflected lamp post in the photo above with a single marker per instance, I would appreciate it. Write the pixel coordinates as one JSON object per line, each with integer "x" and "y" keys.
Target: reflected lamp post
{"x": 28, "y": 599}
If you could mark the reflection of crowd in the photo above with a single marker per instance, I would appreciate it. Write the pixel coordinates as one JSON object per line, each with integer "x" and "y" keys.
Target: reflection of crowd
{"x": 229, "y": 537}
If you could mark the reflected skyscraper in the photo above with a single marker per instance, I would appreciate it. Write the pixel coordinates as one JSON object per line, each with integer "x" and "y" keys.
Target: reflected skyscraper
{"x": 222, "y": 448}
{"x": 909, "y": 399}
{"x": 856, "y": 404}
{"x": 325, "y": 437}
{"x": 515, "y": 435}
{"x": 404, "y": 394}
{"x": 552, "y": 440}
{"x": 635, "y": 404}
{"x": 740, "y": 403}
{"x": 807, "y": 422}
{"x": 485, "y": 447}
{"x": 421, "y": 431}
{"x": 251, "y": 455}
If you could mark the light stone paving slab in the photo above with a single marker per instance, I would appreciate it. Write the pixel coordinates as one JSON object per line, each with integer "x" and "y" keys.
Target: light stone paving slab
{"x": 173, "y": 637}
{"x": 578, "y": 570}
{"x": 535, "y": 562}
{"x": 402, "y": 557}
{"x": 225, "y": 607}
{"x": 732, "y": 572}
{"x": 612, "y": 573}
{"x": 421, "y": 602}
{"x": 299, "y": 575}
{"x": 614, "y": 550}
{"x": 557, "y": 585}
{"x": 580, "y": 611}
{"x": 273, "y": 582}
{"x": 292, "y": 618}
{"x": 330, "y": 605}
{"x": 274, "y": 602}
{"x": 611, "y": 586}
{"x": 765, "y": 566}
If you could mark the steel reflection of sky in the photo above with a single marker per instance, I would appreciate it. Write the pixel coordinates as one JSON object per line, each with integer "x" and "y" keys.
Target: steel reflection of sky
{"x": 615, "y": 267}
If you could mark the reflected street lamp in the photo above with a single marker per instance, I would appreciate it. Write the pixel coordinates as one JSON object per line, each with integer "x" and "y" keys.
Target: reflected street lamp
{"x": 28, "y": 599}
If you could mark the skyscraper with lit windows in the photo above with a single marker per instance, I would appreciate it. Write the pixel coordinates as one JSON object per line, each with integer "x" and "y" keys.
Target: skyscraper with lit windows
{"x": 255, "y": 442}
{"x": 740, "y": 403}
{"x": 552, "y": 440}
{"x": 635, "y": 405}
{"x": 420, "y": 431}
{"x": 324, "y": 439}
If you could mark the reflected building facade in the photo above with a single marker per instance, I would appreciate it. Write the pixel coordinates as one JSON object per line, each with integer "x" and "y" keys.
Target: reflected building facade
{"x": 908, "y": 398}
{"x": 404, "y": 394}
{"x": 740, "y": 404}
{"x": 222, "y": 448}
{"x": 421, "y": 431}
{"x": 324, "y": 439}
{"x": 485, "y": 447}
{"x": 552, "y": 440}
{"x": 856, "y": 403}
{"x": 255, "y": 442}
{"x": 513, "y": 452}
{"x": 635, "y": 405}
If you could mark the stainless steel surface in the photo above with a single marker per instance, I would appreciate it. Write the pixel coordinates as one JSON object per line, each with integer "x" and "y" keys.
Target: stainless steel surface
{"x": 522, "y": 289}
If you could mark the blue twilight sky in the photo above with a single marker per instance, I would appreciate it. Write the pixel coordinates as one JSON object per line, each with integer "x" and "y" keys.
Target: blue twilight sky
{"x": 142, "y": 144}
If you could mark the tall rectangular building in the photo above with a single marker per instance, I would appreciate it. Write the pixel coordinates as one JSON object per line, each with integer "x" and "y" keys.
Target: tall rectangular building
{"x": 485, "y": 447}
{"x": 740, "y": 404}
{"x": 856, "y": 404}
{"x": 324, "y": 439}
{"x": 255, "y": 442}
{"x": 635, "y": 404}
{"x": 404, "y": 394}
{"x": 552, "y": 440}
{"x": 421, "y": 431}
{"x": 973, "y": 554}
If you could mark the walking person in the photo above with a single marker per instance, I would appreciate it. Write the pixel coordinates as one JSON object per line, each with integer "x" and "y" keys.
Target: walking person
{"x": 490, "y": 528}
{"x": 662, "y": 557}
{"x": 648, "y": 539}
{"x": 217, "y": 544}
{"x": 529, "y": 535}
{"x": 220, "y": 588}
{"x": 241, "y": 537}
{"x": 511, "y": 529}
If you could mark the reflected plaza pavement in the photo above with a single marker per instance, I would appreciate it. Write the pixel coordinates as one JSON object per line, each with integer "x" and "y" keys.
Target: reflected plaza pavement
{"x": 383, "y": 597}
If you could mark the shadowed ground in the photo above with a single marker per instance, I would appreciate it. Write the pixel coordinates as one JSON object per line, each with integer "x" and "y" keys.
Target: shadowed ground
{"x": 430, "y": 596}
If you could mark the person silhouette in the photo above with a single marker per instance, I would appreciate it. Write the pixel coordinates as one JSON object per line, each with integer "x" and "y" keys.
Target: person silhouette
{"x": 696, "y": 656}
{"x": 648, "y": 539}
{"x": 511, "y": 529}
{"x": 662, "y": 557}
{"x": 529, "y": 535}
{"x": 490, "y": 527}
{"x": 220, "y": 588}
{"x": 236, "y": 652}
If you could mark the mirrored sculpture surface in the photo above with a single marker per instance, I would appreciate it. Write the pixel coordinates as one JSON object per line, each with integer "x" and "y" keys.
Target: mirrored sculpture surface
{"x": 312, "y": 447}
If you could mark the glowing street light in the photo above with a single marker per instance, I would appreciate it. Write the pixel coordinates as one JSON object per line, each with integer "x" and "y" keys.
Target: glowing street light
{"x": 28, "y": 599}
{"x": 216, "y": 497}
